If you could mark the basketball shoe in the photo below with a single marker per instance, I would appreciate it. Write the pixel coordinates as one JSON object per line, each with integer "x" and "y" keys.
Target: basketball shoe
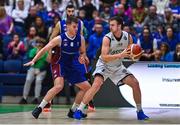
{"x": 141, "y": 115}
{"x": 71, "y": 113}
{"x": 36, "y": 112}
{"x": 91, "y": 107}
{"x": 78, "y": 114}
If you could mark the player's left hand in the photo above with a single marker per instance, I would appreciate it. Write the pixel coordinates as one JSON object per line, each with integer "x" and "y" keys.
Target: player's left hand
{"x": 83, "y": 59}
{"x": 136, "y": 57}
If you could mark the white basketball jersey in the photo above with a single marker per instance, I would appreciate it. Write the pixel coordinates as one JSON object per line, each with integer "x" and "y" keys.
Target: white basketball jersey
{"x": 115, "y": 48}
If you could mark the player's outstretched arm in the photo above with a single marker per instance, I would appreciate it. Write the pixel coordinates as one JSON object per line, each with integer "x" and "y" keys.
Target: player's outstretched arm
{"x": 54, "y": 42}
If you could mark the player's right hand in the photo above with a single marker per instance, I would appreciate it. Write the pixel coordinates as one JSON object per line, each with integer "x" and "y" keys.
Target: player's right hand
{"x": 126, "y": 53}
{"x": 31, "y": 63}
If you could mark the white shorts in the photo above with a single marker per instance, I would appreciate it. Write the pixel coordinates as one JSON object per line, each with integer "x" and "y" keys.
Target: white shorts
{"x": 115, "y": 75}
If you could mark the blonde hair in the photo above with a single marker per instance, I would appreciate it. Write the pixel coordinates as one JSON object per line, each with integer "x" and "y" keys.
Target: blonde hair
{"x": 2, "y": 12}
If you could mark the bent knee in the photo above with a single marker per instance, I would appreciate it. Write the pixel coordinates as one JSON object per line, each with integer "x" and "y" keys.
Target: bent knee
{"x": 58, "y": 88}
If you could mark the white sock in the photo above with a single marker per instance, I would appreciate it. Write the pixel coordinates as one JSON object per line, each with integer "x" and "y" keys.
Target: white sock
{"x": 74, "y": 107}
{"x": 43, "y": 104}
{"x": 139, "y": 107}
{"x": 82, "y": 107}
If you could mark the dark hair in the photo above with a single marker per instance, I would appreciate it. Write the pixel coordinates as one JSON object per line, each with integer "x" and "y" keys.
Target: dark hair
{"x": 71, "y": 19}
{"x": 118, "y": 19}
{"x": 69, "y": 6}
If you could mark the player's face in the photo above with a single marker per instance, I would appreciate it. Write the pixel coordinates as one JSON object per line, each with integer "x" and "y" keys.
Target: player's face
{"x": 70, "y": 11}
{"x": 114, "y": 27}
{"x": 73, "y": 28}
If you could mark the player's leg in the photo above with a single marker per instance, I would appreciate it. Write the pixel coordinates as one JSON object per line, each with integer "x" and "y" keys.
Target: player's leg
{"x": 98, "y": 81}
{"x": 58, "y": 86}
{"x": 83, "y": 86}
{"x": 29, "y": 79}
{"x": 131, "y": 81}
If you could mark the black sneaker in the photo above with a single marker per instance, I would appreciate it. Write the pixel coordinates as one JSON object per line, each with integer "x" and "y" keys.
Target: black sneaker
{"x": 23, "y": 101}
{"x": 71, "y": 113}
{"x": 35, "y": 101}
{"x": 36, "y": 112}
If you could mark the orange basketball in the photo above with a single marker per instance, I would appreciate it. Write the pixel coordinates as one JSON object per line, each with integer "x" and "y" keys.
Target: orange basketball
{"x": 135, "y": 49}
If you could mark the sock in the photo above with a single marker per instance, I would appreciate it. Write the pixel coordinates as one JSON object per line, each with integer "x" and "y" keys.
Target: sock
{"x": 43, "y": 104}
{"x": 139, "y": 107}
{"x": 82, "y": 107}
{"x": 74, "y": 107}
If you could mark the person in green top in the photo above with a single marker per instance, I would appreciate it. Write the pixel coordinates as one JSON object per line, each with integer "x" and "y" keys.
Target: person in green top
{"x": 37, "y": 72}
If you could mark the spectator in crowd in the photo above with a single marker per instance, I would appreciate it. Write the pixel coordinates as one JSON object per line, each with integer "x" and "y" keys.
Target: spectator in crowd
{"x": 174, "y": 5}
{"x": 153, "y": 20}
{"x": 159, "y": 35}
{"x": 42, "y": 30}
{"x": 89, "y": 9}
{"x": 42, "y": 12}
{"x": 37, "y": 72}
{"x": 174, "y": 55}
{"x": 30, "y": 39}
{"x": 30, "y": 20}
{"x": 19, "y": 15}
{"x": 156, "y": 55}
{"x": 139, "y": 14}
{"x": 6, "y": 22}
{"x": 170, "y": 20}
{"x": 164, "y": 48}
{"x": 16, "y": 48}
{"x": 147, "y": 43}
{"x": 6, "y": 29}
{"x": 105, "y": 14}
{"x": 161, "y": 5}
{"x": 171, "y": 38}
{"x": 95, "y": 41}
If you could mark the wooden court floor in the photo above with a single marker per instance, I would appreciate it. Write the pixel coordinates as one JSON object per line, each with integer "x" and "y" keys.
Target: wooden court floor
{"x": 101, "y": 116}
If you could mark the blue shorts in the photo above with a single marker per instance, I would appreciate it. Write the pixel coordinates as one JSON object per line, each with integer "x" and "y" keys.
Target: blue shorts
{"x": 73, "y": 72}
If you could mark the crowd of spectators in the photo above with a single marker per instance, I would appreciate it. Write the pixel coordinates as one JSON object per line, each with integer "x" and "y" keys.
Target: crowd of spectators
{"x": 153, "y": 24}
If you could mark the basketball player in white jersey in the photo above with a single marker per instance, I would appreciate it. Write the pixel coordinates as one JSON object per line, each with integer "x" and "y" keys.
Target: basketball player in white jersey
{"x": 109, "y": 65}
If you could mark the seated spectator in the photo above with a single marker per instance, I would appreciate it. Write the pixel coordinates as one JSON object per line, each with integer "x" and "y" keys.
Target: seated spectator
{"x": 19, "y": 15}
{"x": 156, "y": 56}
{"x": 95, "y": 41}
{"x": 16, "y": 48}
{"x": 147, "y": 43}
{"x": 174, "y": 5}
{"x": 170, "y": 20}
{"x": 171, "y": 38}
{"x": 161, "y": 5}
{"x": 42, "y": 30}
{"x": 152, "y": 19}
{"x": 30, "y": 39}
{"x": 174, "y": 55}
{"x": 105, "y": 14}
{"x": 139, "y": 14}
{"x": 164, "y": 48}
{"x": 37, "y": 72}
{"x": 30, "y": 20}
{"x": 6, "y": 26}
{"x": 159, "y": 35}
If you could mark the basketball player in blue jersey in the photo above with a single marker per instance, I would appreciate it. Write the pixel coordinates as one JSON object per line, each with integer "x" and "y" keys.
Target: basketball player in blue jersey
{"x": 54, "y": 54}
{"x": 114, "y": 49}
{"x": 70, "y": 66}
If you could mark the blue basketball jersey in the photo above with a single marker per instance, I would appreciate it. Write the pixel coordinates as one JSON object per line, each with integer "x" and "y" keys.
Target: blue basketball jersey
{"x": 70, "y": 67}
{"x": 64, "y": 29}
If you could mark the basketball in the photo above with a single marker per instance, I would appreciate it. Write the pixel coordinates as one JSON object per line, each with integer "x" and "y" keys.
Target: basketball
{"x": 135, "y": 49}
